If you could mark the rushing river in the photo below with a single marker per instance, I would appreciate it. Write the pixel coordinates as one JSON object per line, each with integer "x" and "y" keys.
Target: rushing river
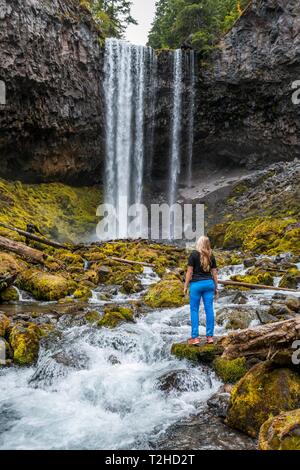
{"x": 114, "y": 389}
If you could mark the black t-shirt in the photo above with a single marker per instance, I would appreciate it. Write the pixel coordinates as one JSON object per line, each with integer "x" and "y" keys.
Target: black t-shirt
{"x": 198, "y": 273}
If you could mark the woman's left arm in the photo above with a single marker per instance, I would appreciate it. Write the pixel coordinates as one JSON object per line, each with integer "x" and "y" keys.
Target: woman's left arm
{"x": 188, "y": 278}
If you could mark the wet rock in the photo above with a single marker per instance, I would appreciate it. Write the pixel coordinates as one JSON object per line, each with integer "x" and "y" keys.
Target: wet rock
{"x": 103, "y": 273}
{"x": 249, "y": 262}
{"x": 264, "y": 317}
{"x": 249, "y": 408}
{"x": 280, "y": 310}
{"x": 180, "y": 381}
{"x": 92, "y": 316}
{"x": 219, "y": 404}
{"x": 234, "y": 318}
{"x": 114, "y": 360}
{"x": 291, "y": 279}
{"x": 83, "y": 293}
{"x": 293, "y": 304}
{"x": 281, "y": 432}
{"x": 131, "y": 285}
{"x": 240, "y": 299}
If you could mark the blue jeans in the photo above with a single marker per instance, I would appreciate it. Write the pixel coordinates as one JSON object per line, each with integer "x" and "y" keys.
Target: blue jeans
{"x": 202, "y": 289}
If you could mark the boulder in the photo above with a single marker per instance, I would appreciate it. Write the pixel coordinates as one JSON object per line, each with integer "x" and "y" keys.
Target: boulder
{"x": 45, "y": 286}
{"x": 230, "y": 370}
{"x": 10, "y": 294}
{"x": 115, "y": 315}
{"x": 262, "y": 392}
{"x": 281, "y": 432}
{"x": 24, "y": 340}
{"x": 166, "y": 293}
{"x": 4, "y": 325}
{"x": 204, "y": 353}
{"x": 235, "y": 318}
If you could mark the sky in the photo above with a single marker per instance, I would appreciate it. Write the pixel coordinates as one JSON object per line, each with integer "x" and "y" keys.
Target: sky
{"x": 143, "y": 11}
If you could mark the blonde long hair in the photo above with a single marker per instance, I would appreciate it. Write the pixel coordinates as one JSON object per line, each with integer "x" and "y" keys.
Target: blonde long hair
{"x": 204, "y": 248}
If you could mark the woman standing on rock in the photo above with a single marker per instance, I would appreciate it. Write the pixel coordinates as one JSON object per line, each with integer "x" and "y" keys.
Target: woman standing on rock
{"x": 202, "y": 278}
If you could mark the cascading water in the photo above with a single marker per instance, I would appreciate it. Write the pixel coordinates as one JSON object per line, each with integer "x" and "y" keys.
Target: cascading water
{"x": 176, "y": 126}
{"x": 103, "y": 389}
{"x": 190, "y": 66}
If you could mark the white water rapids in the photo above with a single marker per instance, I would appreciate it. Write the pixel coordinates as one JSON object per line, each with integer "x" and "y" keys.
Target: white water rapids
{"x": 99, "y": 389}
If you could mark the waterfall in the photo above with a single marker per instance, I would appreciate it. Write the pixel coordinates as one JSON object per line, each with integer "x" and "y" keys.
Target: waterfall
{"x": 190, "y": 66}
{"x": 176, "y": 126}
{"x": 125, "y": 96}
{"x": 151, "y": 103}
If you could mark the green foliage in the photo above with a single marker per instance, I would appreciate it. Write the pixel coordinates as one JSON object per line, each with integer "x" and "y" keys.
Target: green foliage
{"x": 113, "y": 16}
{"x": 196, "y": 22}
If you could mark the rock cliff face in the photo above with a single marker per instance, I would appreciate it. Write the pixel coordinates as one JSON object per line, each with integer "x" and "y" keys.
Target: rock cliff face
{"x": 245, "y": 113}
{"x": 50, "y": 60}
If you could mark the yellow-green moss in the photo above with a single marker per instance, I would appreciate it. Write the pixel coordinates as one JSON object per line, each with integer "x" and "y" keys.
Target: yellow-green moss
{"x": 83, "y": 293}
{"x": 10, "y": 264}
{"x": 262, "y": 392}
{"x": 4, "y": 325}
{"x": 44, "y": 286}
{"x": 166, "y": 293}
{"x": 281, "y": 432}
{"x": 291, "y": 279}
{"x": 255, "y": 276}
{"x": 61, "y": 212}
{"x": 204, "y": 353}
{"x": 269, "y": 235}
{"x": 25, "y": 342}
{"x": 114, "y": 315}
{"x": 9, "y": 294}
{"x": 92, "y": 316}
{"x": 230, "y": 370}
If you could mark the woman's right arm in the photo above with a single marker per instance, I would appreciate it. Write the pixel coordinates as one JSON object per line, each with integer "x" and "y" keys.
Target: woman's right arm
{"x": 188, "y": 278}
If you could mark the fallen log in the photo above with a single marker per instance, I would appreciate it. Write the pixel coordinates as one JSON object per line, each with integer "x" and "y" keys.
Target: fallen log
{"x": 31, "y": 254}
{"x": 31, "y": 236}
{"x": 127, "y": 261}
{"x": 255, "y": 286}
{"x": 273, "y": 341}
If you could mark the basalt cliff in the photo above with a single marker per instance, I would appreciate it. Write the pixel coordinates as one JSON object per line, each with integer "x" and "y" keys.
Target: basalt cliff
{"x": 52, "y": 126}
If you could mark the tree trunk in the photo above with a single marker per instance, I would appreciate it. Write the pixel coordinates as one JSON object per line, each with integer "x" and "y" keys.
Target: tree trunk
{"x": 272, "y": 341}
{"x": 31, "y": 236}
{"x": 32, "y": 255}
{"x": 255, "y": 286}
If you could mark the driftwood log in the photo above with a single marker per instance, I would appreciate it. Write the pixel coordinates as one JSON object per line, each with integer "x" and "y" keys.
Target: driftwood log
{"x": 31, "y": 254}
{"x": 255, "y": 286}
{"x": 127, "y": 261}
{"x": 31, "y": 236}
{"x": 273, "y": 341}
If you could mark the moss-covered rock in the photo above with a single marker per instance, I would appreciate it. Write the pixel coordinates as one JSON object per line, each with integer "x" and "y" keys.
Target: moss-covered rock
{"x": 131, "y": 285}
{"x": 262, "y": 392}
{"x": 230, "y": 370}
{"x": 10, "y": 264}
{"x": 92, "y": 316}
{"x": 115, "y": 315}
{"x": 205, "y": 353}
{"x": 10, "y": 294}
{"x": 25, "y": 341}
{"x": 281, "y": 432}
{"x": 83, "y": 293}
{"x": 166, "y": 293}
{"x": 291, "y": 279}
{"x": 236, "y": 318}
{"x": 4, "y": 325}
{"x": 45, "y": 286}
